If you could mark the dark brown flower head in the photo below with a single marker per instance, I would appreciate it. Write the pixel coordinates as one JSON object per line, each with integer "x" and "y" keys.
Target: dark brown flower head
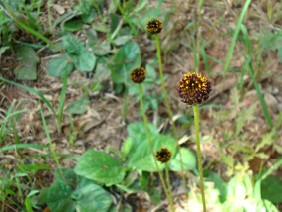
{"x": 154, "y": 26}
{"x": 193, "y": 88}
{"x": 138, "y": 75}
{"x": 163, "y": 155}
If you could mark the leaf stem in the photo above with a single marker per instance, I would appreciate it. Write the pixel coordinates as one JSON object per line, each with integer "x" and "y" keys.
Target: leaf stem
{"x": 196, "y": 121}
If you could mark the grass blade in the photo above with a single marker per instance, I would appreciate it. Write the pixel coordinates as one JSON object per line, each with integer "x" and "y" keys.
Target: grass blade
{"x": 62, "y": 102}
{"x": 235, "y": 36}
{"x": 22, "y": 146}
{"x": 260, "y": 96}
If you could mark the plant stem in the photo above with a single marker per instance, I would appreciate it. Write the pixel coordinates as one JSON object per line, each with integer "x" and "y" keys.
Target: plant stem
{"x": 196, "y": 121}
{"x": 168, "y": 185}
{"x": 168, "y": 194}
{"x": 198, "y": 34}
{"x": 168, "y": 108}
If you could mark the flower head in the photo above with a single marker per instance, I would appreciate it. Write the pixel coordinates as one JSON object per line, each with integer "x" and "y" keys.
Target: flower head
{"x": 138, "y": 75}
{"x": 193, "y": 88}
{"x": 154, "y": 26}
{"x": 163, "y": 155}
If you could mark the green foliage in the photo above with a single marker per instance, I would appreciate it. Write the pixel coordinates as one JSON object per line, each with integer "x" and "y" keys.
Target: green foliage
{"x": 27, "y": 67}
{"x": 137, "y": 150}
{"x": 101, "y": 167}
{"x": 127, "y": 58}
{"x": 79, "y": 106}
{"x": 59, "y": 66}
{"x": 70, "y": 192}
{"x": 271, "y": 189}
{"x": 189, "y": 161}
{"x": 76, "y": 56}
{"x": 237, "y": 195}
{"x": 271, "y": 41}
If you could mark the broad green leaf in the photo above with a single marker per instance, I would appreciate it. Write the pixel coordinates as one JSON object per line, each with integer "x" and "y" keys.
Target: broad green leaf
{"x": 189, "y": 161}
{"x": 58, "y": 66}
{"x": 26, "y": 71}
{"x": 85, "y": 61}
{"x": 140, "y": 156}
{"x": 98, "y": 26}
{"x": 27, "y": 67}
{"x": 73, "y": 25}
{"x": 137, "y": 129}
{"x": 79, "y": 106}
{"x": 127, "y": 58}
{"x": 101, "y": 167}
{"x": 59, "y": 197}
{"x": 271, "y": 189}
{"x": 126, "y": 147}
{"x": 121, "y": 40}
{"x": 66, "y": 176}
{"x": 219, "y": 184}
{"x": 91, "y": 197}
{"x": 100, "y": 47}
{"x": 239, "y": 187}
{"x": 73, "y": 46}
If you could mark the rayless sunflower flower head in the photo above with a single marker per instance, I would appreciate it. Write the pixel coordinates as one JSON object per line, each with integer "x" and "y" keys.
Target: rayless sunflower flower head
{"x": 154, "y": 26}
{"x": 138, "y": 75}
{"x": 193, "y": 88}
{"x": 163, "y": 155}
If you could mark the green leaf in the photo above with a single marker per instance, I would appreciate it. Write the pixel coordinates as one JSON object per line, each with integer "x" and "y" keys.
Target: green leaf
{"x": 79, "y": 106}
{"x": 127, "y": 58}
{"x": 85, "y": 61}
{"x": 27, "y": 67}
{"x": 58, "y": 66}
{"x": 91, "y": 197}
{"x": 66, "y": 176}
{"x": 73, "y": 46}
{"x": 239, "y": 187}
{"x": 59, "y": 199}
{"x": 100, "y": 47}
{"x": 219, "y": 184}
{"x": 121, "y": 40}
{"x": 101, "y": 167}
{"x": 189, "y": 161}
{"x": 137, "y": 129}
{"x": 271, "y": 189}
{"x": 114, "y": 22}
{"x": 73, "y": 25}
{"x": 22, "y": 146}
{"x": 140, "y": 156}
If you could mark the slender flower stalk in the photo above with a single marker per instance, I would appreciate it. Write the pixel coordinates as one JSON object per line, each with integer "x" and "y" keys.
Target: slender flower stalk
{"x": 194, "y": 89}
{"x": 167, "y": 191}
{"x": 154, "y": 26}
{"x": 199, "y": 155}
{"x": 138, "y": 75}
{"x": 164, "y": 155}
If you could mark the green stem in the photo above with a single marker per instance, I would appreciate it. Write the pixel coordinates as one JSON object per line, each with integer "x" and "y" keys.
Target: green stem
{"x": 196, "y": 121}
{"x": 168, "y": 186}
{"x": 168, "y": 108}
{"x": 168, "y": 194}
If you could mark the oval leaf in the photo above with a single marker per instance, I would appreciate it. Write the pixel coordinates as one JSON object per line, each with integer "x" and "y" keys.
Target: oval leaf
{"x": 101, "y": 167}
{"x": 189, "y": 161}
